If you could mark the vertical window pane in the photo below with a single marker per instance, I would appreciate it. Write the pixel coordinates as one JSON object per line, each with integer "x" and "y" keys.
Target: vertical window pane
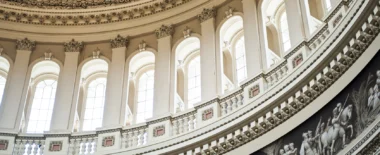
{"x": 145, "y": 96}
{"x": 93, "y": 115}
{"x": 42, "y": 106}
{"x": 241, "y": 65}
{"x": 285, "y": 32}
{"x": 193, "y": 82}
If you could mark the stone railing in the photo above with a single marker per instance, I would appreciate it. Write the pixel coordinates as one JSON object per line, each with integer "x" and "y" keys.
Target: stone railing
{"x": 160, "y": 132}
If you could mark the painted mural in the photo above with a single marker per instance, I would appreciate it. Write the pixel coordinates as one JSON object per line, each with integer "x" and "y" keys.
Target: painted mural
{"x": 339, "y": 122}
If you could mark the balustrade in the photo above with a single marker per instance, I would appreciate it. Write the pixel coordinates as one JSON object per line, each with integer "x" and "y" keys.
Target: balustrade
{"x": 184, "y": 124}
{"x": 83, "y": 145}
{"x": 29, "y": 146}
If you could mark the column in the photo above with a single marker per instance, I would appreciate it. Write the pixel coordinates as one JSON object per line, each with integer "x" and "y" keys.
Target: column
{"x": 12, "y": 108}
{"x": 113, "y": 103}
{"x": 65, "y": 89}
{"x": 161, "y": 104}
{"x": 252, "y": 39}
{"x": 208, "y": 51}
{"x": 298, "y": 22}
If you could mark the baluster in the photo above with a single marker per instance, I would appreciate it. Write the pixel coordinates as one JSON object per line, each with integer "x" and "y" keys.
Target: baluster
{"x": 285, "y": 69}
{"x": 36, "y": 147}
{"x": 22, "y": 147}
{"x": 241, "y": 97}
{"x": 30, "y": 147}
{"x": 145, "y": 136}
{"x": 42, "y": 147}
{"x": 78, "y": 146}
{"x": 186, "y": 124}
{"x": 90, "y": 146}
{"x": 130, "y": 139}
{"x": 224, "y": 108}
{"x": 194, "y": 120}
{"x": 235, "y": 100}
{"x": 124, "y": 140}
{"x": 85, "y": 146}
{"x": 95, "y": 144}
{"x": 72, "y": 147}
{"x": 191, "y": 122}
{"x": 17, "y": 147}
{"x": 229, "y": 107}
{"x": 136, "y": 138}
{"x": 175, "y": 127}
{"x": 180, "y": 126}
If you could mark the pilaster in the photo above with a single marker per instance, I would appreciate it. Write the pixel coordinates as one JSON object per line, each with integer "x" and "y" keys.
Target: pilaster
{"x": 208, "y": 54}
{"x": 12, "y": 109}
{"x": 65, "y": 90}
{"x": 113, "y": 104}
{"x": 297, "y": 22}
{"x": 162, "y": 74}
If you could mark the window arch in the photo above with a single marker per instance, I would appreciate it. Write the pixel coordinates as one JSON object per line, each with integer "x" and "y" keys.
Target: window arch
{"x": 145, "y": 94}
{"x": 284, "y": 31}
{"x": 92, "y": 93}
{"x": 43, "y": 79}
{"x": 94, "y": 105}
{"x": 4, "y": 68}
{"x": 194, "y": 81}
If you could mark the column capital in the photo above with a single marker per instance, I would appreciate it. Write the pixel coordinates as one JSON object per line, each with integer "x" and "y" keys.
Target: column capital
{"x": 73, "y": 46}
{"x": 25, "y": 44}
{"x": 206, "y": 14}
{"x": 119, "y": 41}
{"x": 164, "y": 31}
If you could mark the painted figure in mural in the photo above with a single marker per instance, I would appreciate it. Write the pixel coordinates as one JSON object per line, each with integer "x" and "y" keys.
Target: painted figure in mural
{"x": 371, "y": 97}
{"x": 306, "y": 148}
{"x": 293, "y": 151}
{"x": 282, "y": 152}
{"x": 345, "y": 117}
{"x": 376, "y": 99}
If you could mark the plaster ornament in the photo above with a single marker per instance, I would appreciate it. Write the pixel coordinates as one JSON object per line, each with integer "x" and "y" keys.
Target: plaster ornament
{"x": 55, "y": 146}
{"x": 48, "y": 55}
{"x": 73, "y": 46}
{"x": 96, "y": 53}
{"x": 4, "y": 144}
{"x": 186, "y": 32}
{"x": 159, "y": 131}
{"x": 254, "y": 91}
{"x": 207, "y": 114}
{"x": 229, "y": 12}
{"x": 25, "y": 44}
{"x": 164, "y": 31}
{"x": 119, "y": 41}
{"x": 207, "y": 14}
{"x": 297, "y": 60}
{"x": 108, "y": 141}
{"x": 142, "y": 46}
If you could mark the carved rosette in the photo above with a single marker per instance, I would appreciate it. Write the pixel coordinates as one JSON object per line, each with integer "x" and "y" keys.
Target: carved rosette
{"x": 73, "y": 46}
{"x": 164, "y": 31}
{"x": 119, "y": 41}
{"x": 207, "y": 14}
{"x": 25, "y": 44}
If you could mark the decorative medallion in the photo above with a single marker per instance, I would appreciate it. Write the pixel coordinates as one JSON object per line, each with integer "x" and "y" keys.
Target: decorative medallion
{"x": 25, "y": 44}
{"x": 73, "y": 46}
{"x": 55, "y": 146}
{"x": 207, "y": 14}
{"x": 108, "y": 141}
{"x": 207, "y": 114}
{"x": 4, "y": 144}
{"x": 254, "y": 91}
{"x": 159, "y": 131}
{"x": 297, "y": 60}
{"x": 119, "y": 41}
{"x": 164, "y": 31}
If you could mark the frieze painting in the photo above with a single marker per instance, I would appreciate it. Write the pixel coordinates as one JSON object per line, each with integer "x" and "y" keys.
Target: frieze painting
{"x": 339, "y": 122}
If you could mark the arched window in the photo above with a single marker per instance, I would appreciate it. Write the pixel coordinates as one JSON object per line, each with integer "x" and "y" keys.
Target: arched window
{"x": 93, "y": 115}
{"x": 145, "y": 96}
{"x": 285, "y": 32}
{"x": 194, "y": 82}
{"x": 241, "y": 68}
{"x": 42, "y": 106}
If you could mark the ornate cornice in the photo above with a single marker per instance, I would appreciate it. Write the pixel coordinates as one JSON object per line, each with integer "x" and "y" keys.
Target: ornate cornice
{"x": 164, "y": 31}
{"x": 73, "y": 46}
{"x": 25, "y": 44}
{"x": 206, "y": 14}
{"x": 65, "y": 4}
{"x": 119, "y": 41}
{"x": 87, "y": 17}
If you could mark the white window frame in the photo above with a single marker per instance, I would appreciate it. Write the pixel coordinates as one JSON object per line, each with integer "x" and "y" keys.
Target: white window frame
{"x": 234, "y": 41}
{"x": 187, "y": 62}
{"x": 138, "y": 74}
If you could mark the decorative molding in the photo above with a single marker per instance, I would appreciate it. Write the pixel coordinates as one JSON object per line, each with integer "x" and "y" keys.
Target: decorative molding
{"x": 207, "y": 114}
{"x": 142, "y": 46}
{"x": 4, "y": 144}
{"x": 229, "y": 12}
{"x": 25, "y": 44}
{"x": 186, "y": 32}
{"x": 108, "y": 141}
{"x": 206, "y": 14}
{"x": 55, "y": 146}
{"x": 297, "y": 60}
{"x": 164, "y": 31}
{"x": 48, "y": 55}
{"x": 254, "y": 91}
{"x": 337, "y": 20}
{"x": 73, "y": 46}
{"x": 96, "y": 53}
{"x": 119, "y": 41}
{"x": 159, "y": 131}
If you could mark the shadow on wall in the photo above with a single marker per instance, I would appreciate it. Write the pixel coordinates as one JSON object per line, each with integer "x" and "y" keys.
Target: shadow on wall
{"x": 339, "y": 122}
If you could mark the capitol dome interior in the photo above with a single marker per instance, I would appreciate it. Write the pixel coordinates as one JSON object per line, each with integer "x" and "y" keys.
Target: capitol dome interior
{"x": 189, "y": 77}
